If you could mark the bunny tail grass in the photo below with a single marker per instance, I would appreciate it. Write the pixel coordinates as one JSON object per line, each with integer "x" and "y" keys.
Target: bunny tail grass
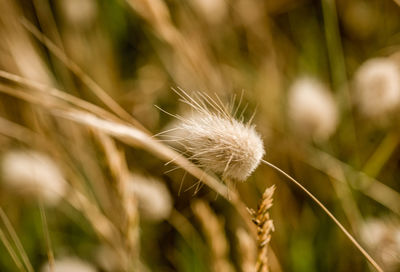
{"x": 351, "y": 238}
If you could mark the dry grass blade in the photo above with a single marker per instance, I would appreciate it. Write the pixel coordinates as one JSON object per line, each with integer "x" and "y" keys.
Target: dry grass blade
{"x": 11, "y": 251}
{"x": 16, "y": 240}
{"x": 132, "y": 136}
{"x": 86, "y": 79}
{"x": 50, "y": 254}
{"x": 186, "y": 229}
{"x": 265, "y": 226}
{"x": 342, "y": 228}
{"x": 100, "y": 223}
{"x": 18, "y": 132}
{"x": 371, "y": 187}
{"x": 213, "y": 229}
{"x": 137, "y": 138}
{"x": 48, "y": 90}
{"x": 246, "y": 250}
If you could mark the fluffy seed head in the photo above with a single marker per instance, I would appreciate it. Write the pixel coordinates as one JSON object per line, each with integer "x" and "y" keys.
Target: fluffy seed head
{"x": 312, "y": 109}
{"x": 225, "y": 146}
{"x": 33, "y": 173}
{"x": 69, "y": 264}
{"x": 377, "y": 87}
{"x": 154, "y": 199}
{"x": 218, "y": 142}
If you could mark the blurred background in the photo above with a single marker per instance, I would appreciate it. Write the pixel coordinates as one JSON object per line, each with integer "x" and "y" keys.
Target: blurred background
{"x": 323, "y": 78}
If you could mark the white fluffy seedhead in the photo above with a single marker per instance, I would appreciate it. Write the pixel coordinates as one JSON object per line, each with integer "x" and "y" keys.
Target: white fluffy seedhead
{"x": 216, "y": 141}
{"x": 69, "y": 264}
{"x": 382, "y": 237}
{"x": 377, "y": 87}
{"x": 312, "y": 109}
{"x": 32, "y": 173}
{"x": 154, "y": 199}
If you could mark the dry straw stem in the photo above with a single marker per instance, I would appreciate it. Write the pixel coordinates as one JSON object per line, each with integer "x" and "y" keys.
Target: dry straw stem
{"x": 103, "y": 96}
{"x": 382, "y": 154}
{"x": 67, "y": 106}
{"x": 14, "y": 237}
{"x": 213, "y": 229}
{"x": 103, "y": 227}
{"x": 247, "y": 250}
{"x": 137, "y": 138}
{"x": 16, "y": 240}
{"x": 11, "y": 251}
{"x": 371, "y": 187}
{"x": 342, "y": 228}
{"x": 49, "y": 91}
{"x": 119, "y": 170}
{"x": 20, "y": 133}
{"x": 265, "y": 226}
{"x": 191, "y": 55}
{"x": 86, "y": 79}
{"x": 46, "y": 233}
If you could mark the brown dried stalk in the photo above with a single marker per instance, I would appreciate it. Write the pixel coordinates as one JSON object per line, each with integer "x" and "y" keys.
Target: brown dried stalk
{"x": 213, "y": 229}
{"x": 265, "y": 226}
{"x": 247, "y": 250}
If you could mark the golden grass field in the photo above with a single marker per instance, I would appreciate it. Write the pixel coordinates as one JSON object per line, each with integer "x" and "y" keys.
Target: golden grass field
{"x": 199, "y": 135}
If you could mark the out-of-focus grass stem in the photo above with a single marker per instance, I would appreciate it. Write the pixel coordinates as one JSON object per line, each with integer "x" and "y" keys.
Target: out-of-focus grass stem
{"x": 338, "y": 67}
{"x": 334, "y": 219}
{"x": 382, "y": 154}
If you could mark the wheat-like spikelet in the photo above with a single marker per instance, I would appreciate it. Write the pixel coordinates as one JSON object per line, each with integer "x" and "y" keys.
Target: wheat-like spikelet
{"x": 265, "y": 226}
{"x": 213, "y": 229}
{"x": 216, "y": 141}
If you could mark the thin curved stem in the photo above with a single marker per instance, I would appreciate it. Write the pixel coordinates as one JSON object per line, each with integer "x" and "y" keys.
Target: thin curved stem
{"x": 343, "y": 229}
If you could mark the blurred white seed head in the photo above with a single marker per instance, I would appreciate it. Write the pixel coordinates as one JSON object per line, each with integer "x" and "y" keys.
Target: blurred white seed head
{"x": 32, "y": 173}
{"x": 382, "y": 237}
{"x": 69, "y": 264}
{"x": 312, "y": 109}
{"x": 154, "y": 199}
{"x": 215, "y": 140}
{"x": 377, "y": 87}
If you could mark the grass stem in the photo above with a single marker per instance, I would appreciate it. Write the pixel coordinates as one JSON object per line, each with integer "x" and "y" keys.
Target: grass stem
{"x": 342, "y": 228}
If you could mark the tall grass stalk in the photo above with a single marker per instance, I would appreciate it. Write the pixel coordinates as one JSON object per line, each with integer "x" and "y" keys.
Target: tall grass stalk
{"x": 319, "y": 203}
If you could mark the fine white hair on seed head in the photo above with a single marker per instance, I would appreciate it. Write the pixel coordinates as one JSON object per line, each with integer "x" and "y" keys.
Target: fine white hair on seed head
{"x": 215, "y": 140}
